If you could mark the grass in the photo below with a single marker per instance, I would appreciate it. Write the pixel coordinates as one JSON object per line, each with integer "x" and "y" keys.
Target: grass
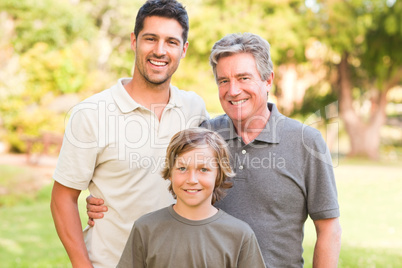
{"x": 14, "y": 185}
{"x": 27, "y": 234}
{"x": 370, "y": 196}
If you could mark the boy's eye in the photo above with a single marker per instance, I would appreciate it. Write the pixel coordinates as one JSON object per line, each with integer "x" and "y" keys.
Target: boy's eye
{"x": 204, "y": 169}
{"x": 182, "y": 168}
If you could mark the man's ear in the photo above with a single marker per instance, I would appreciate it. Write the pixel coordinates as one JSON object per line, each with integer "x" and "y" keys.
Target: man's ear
{"x": 185, "y": 47}
{"x": 133, "y": 41}
{"x": 270, "y": 82}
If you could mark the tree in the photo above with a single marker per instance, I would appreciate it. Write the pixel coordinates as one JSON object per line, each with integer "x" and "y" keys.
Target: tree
{"x": 43, "y": 45}
{"x": 364, "y": 40}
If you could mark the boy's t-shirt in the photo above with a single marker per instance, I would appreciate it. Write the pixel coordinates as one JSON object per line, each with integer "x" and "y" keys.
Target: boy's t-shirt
{"x": 165, "y": 239}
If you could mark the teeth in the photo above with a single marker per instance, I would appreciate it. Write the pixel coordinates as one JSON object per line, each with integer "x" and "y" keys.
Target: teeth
{"x": 158, "y": 63}
{"x": 237, "y": 102}
{"x": 192, "y": 191}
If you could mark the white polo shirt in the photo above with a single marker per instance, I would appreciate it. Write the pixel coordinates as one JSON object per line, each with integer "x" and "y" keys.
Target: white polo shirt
{"x": 116, "y": 148}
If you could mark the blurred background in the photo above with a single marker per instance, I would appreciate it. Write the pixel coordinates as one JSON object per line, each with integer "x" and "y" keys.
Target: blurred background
{"x": 338, "y": 68}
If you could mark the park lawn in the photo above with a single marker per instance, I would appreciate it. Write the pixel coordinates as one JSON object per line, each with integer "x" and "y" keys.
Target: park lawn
{"x": 28, "y": 237}
{"x": 370, "y": 196}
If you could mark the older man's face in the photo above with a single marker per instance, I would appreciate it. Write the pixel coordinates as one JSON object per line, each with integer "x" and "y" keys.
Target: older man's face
{"x": 242, "y": 93}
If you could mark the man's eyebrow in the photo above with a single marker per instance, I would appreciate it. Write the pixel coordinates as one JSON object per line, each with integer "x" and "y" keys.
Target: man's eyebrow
{"x": 243, "y": 74}
{"x": 168, "y": 37}
{"x": 149, "y": 34}
{"x": 219, "y": 78}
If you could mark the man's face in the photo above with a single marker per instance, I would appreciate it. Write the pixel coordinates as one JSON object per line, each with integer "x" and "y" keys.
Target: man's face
{"x": 242, "y": 93}
{"x": 159, "y": 48}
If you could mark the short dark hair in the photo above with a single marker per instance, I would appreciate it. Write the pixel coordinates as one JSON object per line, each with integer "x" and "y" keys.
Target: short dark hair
{"x": 193, "y": 138}
{"x": 163, "y": 8}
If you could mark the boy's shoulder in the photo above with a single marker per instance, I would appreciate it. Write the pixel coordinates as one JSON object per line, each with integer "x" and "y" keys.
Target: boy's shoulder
{"x": 235, "y": 224}
{"x": 153, "y": 217}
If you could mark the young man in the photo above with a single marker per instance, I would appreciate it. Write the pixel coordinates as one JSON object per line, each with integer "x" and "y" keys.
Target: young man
{"x": 192, "y": 233}
{"x": 283, "y": 168}
{"x": 115, "y": 140}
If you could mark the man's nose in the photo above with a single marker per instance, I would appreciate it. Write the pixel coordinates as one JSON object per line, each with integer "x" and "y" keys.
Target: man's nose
{"x": 160, "y": 49}
{"x": 234, "y": 88}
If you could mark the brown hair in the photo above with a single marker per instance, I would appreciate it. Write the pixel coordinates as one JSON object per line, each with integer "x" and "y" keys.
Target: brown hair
{"x": 190, "y": 139}
{"x": 170, "y": 9}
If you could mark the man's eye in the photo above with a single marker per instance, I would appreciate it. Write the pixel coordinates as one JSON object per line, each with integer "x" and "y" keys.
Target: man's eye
{"x": 222, "y": 82}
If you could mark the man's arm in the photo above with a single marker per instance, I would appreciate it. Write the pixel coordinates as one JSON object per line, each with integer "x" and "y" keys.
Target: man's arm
{"x": 68, "y": 224}
{"x": 328, "y": 245}
{"x": 95, "y": 209}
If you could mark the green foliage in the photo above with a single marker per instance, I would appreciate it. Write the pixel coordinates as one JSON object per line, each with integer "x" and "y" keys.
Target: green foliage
{"x": 370, "y": 32}
{"x": 56, "y": 23}
{"x": 56, "y": 57}
{"x": 313, "y": 102}
{"x": 58, "y": 71}
{"x": 382, "y": 56}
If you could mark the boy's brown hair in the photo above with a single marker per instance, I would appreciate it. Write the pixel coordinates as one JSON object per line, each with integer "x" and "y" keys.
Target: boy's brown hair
{"x": 190, "y": 139}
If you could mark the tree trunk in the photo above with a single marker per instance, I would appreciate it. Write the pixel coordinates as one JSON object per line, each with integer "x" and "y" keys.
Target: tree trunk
{"x": 364, "y": 136}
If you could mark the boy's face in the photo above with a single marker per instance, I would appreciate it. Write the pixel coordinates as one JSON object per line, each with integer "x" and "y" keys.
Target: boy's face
{"x": 193, "y": 179}
{"x": 159, "y": 48}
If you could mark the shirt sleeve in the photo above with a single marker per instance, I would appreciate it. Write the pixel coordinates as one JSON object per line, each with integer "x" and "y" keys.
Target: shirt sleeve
{"x": 77, "y": 159}
{"x": 250, "y": 255}
{"x": 133, "y": 253}
{"x": 322, "y": 199}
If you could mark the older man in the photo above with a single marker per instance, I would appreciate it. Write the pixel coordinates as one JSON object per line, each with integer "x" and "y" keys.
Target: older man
{"x": 283, "y": 168}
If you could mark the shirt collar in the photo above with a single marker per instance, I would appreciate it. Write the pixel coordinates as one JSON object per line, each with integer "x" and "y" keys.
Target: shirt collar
{"x": 175, "y": 100}
{"x": 273, "y": 129}
{"x": 127, "y": 104}
{"x": 270, "y": 134}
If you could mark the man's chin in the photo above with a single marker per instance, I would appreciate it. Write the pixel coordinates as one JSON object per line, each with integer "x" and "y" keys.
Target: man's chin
{"x": 157, "y": 81}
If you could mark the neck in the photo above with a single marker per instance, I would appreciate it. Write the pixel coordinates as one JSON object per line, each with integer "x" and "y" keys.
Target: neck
{"x": 151, "y": 96}
{"x": 195, "y": 214}
{"x": 147, "y": 93}
{"x": 250, "y": 129}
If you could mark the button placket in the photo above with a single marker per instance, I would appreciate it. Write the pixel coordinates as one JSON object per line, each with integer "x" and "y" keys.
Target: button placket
{"x": 242, "y": 162}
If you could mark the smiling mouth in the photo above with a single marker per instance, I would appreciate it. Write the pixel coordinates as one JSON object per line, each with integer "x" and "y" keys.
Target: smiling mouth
{"x": 158, "y": 63}
{"x": 238, "y": 102}
{"x": 192, "y": 191}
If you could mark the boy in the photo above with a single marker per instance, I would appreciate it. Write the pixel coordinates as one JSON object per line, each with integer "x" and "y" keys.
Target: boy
{"x": 192, "y": 232}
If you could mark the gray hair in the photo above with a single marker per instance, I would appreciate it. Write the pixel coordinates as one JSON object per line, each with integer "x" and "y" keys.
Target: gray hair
{"x": 244, "y": 43}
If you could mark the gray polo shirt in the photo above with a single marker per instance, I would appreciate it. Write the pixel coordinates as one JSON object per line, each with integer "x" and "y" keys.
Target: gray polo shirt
{"x": 282, "y": 176}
